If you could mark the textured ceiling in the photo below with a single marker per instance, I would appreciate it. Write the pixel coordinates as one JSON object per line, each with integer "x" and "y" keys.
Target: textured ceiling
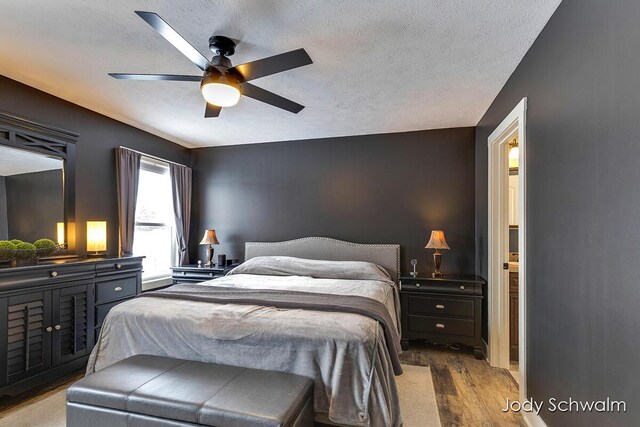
{"x": 383, "y": 66}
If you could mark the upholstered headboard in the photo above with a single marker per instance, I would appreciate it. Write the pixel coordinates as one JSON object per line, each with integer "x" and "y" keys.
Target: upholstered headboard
{"x": 387, "y": 256}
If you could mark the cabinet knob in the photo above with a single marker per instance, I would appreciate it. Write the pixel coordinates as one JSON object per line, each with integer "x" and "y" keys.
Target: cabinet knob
{"x": 184, "y": 273}
{"x": 462, "y": 287}
{"x": 439, "y": 326}
{"x": 440, "y": 306}
{"x": 118, "y": 266}
{"x": 54, "y": 274}
{"x": 211, "y": 274}
{"x": 49, "y": 329}
{"x": 117, "y": 289}
{"x": 417, "y": 285}
{"x": 57, "y": 327}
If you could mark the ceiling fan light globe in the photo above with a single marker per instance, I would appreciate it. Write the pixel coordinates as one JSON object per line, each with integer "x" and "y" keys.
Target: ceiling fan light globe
{"x": 220, "y": 94}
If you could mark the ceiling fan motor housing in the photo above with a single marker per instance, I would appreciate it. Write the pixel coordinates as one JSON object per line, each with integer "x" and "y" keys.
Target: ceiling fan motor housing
{"x": 221, "y": 45}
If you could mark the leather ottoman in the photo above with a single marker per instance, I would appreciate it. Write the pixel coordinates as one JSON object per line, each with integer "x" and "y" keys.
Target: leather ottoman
{"x": 149, "y": 390}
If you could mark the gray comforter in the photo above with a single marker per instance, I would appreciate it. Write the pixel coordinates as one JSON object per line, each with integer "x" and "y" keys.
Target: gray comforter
{"x": 345, "y": 353}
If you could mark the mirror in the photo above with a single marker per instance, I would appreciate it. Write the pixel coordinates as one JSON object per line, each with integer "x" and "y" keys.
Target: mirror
{"x": 32, "y": 201}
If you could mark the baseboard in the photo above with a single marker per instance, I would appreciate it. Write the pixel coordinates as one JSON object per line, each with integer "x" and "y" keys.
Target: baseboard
{"x": 533, "y": 420}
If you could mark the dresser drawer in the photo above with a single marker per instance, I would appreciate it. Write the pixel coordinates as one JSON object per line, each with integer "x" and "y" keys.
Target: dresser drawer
{"x": 122, "y": 265}
{"x": 440, "y": 306}
{"x": 441, "y": 325}
{"x": 44, "y": 274}
{"x": 103, "y": 309}
{"x": 440, "y": 286}
{"x": 116, "y": 289}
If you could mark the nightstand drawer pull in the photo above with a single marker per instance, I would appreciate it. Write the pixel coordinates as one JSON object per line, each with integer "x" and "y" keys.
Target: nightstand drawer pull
{"x": 117, "y": 289}
{"x": 417, "y": 285}
{"x": 440, "y": 325}
{"x": 440, "y": 306}
{"x": 462, "y": 287}
{"x": 54, "y": 274}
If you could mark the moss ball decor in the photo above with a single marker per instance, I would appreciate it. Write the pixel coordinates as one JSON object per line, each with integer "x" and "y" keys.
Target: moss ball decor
{"x": 25, "y": 250}
{"x": 7, "y": 250}
{"x": 45, "y": 247}
{"x": 16, "y": 241}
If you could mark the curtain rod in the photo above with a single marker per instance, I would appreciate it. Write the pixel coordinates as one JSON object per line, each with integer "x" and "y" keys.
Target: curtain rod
{"x": 153, "y": 157}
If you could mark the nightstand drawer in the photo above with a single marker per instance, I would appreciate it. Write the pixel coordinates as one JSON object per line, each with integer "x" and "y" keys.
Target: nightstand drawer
{"x": 440, "y": 306}
{"x": 440, "y": 286}
{"x": 441, "y": 325}
{"x": 116, "y": 289}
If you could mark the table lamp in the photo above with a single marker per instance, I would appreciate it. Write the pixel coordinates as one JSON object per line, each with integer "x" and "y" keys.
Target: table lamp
{"x": 96, "y": 238}
{"x": 437, "y": 241}
{"x": 209, "y": 238}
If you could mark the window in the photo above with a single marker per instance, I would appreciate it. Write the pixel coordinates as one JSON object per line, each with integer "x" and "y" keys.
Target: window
{"x": 155, "y": 231}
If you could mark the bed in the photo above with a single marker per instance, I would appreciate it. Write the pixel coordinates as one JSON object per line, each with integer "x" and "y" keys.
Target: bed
{"x": 318, "y": 307}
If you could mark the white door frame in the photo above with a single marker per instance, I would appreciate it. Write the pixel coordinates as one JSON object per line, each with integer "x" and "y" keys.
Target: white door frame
{"x": 498, "y": 351}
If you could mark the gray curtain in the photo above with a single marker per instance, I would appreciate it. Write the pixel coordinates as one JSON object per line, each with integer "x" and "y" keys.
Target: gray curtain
{"x": 128, "y": 175}
{"x": 181, "y": 191}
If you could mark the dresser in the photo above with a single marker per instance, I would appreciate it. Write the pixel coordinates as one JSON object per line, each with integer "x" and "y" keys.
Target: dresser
{"x": 51, "y": 314}
{"x": 445, "y": 310}
{"x": 195, "y": 274}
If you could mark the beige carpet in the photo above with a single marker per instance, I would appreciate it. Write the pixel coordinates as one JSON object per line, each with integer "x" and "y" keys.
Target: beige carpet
{"x": 415, "y": 387}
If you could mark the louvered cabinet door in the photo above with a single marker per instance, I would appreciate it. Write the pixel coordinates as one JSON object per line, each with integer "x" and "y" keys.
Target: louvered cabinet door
{"x": 28, "y": 343}
{"x": 73, "y": 321}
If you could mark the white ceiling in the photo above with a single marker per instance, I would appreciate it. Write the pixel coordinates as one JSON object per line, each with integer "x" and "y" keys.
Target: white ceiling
{"x": 379, "y": 67}
{"x": 14, "y": 162}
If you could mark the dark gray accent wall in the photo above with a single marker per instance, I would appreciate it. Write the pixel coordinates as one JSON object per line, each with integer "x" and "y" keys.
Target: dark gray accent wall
{"x": 35, "y": 204}
{"x": 581, "y": 78}
{"x": 390, "y": 188}
{"x": 4, "y": 232}
{"x": 95, "y": 159}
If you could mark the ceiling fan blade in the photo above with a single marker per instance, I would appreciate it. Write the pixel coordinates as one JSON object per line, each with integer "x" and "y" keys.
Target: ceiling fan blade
{"x": 172, "y": 77}
{"x": 273, "y": 64}
{"x": 174, "y": 38}
{"x": 212, "y": 110}
{"x": 270, "y": 98}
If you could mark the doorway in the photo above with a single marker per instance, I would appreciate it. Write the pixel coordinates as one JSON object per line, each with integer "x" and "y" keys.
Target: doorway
{"x": 507, "y": 207}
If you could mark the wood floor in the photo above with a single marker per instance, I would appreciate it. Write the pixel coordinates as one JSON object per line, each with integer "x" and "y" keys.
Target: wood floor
{"x": 469, "y": 391}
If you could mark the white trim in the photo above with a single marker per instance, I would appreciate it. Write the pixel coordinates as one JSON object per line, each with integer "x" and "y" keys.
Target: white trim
{"x": 156, "y": 282}
{"x": 533, "y": 420}
{"x": 498, "y": 349}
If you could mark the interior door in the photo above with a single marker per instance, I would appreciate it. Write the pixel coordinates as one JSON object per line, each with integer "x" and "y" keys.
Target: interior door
{"x": 27, "y": 318}
{"x": 72, "y": 317}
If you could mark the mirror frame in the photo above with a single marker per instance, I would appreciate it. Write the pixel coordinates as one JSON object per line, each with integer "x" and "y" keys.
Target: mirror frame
{"x": 25, "y": 134}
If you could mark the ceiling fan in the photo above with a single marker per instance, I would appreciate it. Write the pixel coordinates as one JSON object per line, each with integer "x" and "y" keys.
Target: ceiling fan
{"x": 221, "y": 84}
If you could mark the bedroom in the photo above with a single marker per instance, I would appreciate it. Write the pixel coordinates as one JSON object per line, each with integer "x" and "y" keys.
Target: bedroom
{"x": 380, "y": 155}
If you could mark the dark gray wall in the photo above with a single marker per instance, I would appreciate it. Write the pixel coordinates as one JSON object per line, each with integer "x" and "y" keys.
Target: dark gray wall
{"x": 95, "y": 170}
{"x": 581, "y": 78}
{"x": 390, "y": 188}
{"x": 35, "y": 203}
{"x": 3, "y": 210}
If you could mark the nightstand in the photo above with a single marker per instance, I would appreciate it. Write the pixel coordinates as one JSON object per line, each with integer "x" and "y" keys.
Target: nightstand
{"x": 195, "y": 274}
{"x": 443, "y": 310}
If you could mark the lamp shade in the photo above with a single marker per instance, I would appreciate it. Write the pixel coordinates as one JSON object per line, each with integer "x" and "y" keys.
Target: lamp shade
{"x": 96, "y": 236}
{"x": 209, "y": 238}
{"x": 437, "y": 240}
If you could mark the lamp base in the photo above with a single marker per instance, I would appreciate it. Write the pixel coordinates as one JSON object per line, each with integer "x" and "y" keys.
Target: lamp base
{"x": 96, "y": 254}
{"x": 437, "y": 260}
{"x": 209, "y": 262}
